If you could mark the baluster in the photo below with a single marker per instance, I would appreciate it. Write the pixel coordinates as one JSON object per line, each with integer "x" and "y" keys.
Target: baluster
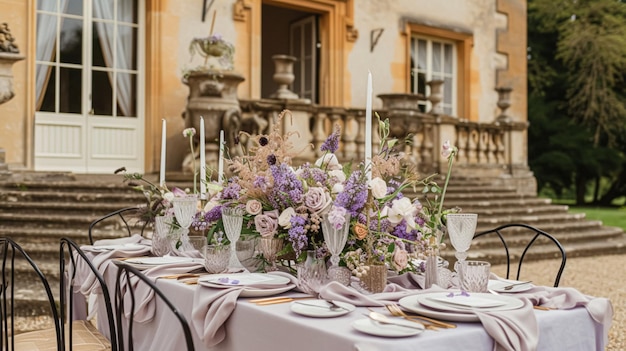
{"x": 473, "y": 147}
{"x": 319, "y": 132}
{"x": 352, "y": 126}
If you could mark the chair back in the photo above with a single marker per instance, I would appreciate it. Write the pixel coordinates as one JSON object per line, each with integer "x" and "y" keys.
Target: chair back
{"x": 126, "y": 271}
{"x": 71, "y": 253}
{"x": 527, "y": 235}
{"x": 125, "y": 215}
{"x": 8, "y": 250}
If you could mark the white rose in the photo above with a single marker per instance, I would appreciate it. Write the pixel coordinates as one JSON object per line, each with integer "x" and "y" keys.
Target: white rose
{"x": 402, "y": 209}
{"x": 337, "y": 174}
{"x": 328, "y": 161}
{"x": 284, "y": 220}
{"x": 168, "y": 196}
{"x": 254, "y": 207}
{"x": 210, "y": 205}
{"x": 337, "y": 188}
{"x": 379, "y": 187}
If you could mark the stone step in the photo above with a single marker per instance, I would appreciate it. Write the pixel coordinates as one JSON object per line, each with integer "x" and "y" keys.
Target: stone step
{"x": 517, "y": 210}
{"x": 58, "y": 196}
{"x": 60, "y": 208}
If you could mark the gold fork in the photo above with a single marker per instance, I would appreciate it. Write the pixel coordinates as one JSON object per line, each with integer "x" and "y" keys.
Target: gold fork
{"x": 396, "y": 311}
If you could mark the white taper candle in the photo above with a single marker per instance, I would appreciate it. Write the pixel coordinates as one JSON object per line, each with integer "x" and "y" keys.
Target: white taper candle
{"x": 368, "y": 128}
{"x": 220, "y": 161}
{"x": 202, "y": 160}
{"x": 163, "y": 148}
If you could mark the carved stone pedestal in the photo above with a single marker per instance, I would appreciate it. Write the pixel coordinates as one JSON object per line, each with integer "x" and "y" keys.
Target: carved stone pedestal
{"x": 213, "y": 96}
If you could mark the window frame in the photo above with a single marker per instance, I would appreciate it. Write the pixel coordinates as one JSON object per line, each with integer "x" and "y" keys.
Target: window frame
{"x": 463, "y": 43}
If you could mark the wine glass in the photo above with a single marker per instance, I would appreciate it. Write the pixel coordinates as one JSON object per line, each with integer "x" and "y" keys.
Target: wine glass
{"x": 185, "y": 209}
{"x": 335, "y": 239}
{"x": 461, "y": 228}
{"x": 233, "y": 221}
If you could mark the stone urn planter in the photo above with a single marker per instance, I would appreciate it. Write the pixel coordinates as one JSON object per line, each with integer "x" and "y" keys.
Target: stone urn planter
{"x": 213, "y": 96}
{"x": 6, "y": 75}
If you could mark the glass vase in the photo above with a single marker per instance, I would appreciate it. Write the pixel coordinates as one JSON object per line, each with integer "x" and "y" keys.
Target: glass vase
{"x": 270, "y": 247}
{"x": 375, "y": 278}
{"x": 431, "y": 275}
{"x": 312, "y": 274}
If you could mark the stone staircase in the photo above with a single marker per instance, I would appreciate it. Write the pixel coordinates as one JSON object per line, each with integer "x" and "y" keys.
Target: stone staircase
{"x": 38, "y": 209}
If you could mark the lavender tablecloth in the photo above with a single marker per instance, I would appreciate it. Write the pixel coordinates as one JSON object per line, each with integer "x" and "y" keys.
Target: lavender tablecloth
{"x": 580, "y": 323}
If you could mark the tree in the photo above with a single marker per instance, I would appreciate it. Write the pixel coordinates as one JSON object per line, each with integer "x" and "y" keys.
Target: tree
{"x": 577, "y": 108}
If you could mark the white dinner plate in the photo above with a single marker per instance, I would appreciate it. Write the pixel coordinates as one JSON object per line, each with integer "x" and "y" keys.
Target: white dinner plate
{"x": 499, "y": 284}
{"x": 277, "y": 284}
{"x": 225, "y": 280}
{"x": 471, "y": 300}
{"x": 371, "y": 327}
{"x": 149, "y": 262}
{"x": 129, "y": 246}
{"x": 415, "y": 303}
{"x": 321, "y": 308}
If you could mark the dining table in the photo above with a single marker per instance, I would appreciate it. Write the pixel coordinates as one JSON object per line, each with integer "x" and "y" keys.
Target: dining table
{"x": 228, "y": 318}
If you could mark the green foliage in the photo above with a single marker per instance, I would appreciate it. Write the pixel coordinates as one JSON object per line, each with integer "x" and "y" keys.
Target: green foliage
{"x": 577, "y": 104}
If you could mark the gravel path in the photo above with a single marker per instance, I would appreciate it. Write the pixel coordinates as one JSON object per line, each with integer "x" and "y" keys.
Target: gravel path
{"x": 601, "y": 276}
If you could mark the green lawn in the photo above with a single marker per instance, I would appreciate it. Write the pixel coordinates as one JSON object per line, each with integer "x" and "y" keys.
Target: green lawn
{"x": 614, "y": 217}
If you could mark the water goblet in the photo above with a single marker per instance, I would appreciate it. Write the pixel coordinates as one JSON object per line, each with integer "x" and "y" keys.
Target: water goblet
{"x": 335, "y": 238}
{"x": 197, "y": 246}
{"x": 216, "y": 258}
{"x": 233, "y": 222}
{"x": 161, "y": 236}
{"x": 461, "y": 228}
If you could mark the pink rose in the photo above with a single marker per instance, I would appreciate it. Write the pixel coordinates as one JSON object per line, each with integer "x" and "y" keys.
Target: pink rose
{"x": 254, "y": 207}
{"x": 400, "y": 259}
{"x": 267, "y": 223}
{"x": 317, "y": 199}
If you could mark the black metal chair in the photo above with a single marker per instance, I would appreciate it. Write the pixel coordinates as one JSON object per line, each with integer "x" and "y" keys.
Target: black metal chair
{"x": 126, "y": 215}
{"x": 525, "y": 236}
{"x": 127, "y": 271}
{"x": 48, "y": 339}
{"x": 88, "y": 337}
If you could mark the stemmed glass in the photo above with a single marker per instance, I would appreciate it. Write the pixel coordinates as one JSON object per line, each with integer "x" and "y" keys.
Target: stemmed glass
{"x": 335, "y": 239}
{"x": 233, "y": 222}
{"x": 461, "y": 228}
{"x": 185, "y": 209}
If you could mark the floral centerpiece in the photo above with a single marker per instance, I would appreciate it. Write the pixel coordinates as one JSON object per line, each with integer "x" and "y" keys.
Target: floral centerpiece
{"x": 213, "y": 46}
{"x": 280, "y": 200}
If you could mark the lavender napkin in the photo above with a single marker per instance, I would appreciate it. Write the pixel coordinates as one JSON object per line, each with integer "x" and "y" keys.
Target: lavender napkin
{"x": 512, "y": 330}
{"x": 144, "y": 295}
{"x": 86, "y": 282}
{"x": 212, "y": 307}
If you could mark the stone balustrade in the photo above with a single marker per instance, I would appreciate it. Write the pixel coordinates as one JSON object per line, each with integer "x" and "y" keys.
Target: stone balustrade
{"x": 485, "y": 149}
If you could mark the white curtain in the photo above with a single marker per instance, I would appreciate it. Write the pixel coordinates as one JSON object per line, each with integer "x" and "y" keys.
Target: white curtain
{"x": 46, "y": 40}
{"x": 117, "y": 47}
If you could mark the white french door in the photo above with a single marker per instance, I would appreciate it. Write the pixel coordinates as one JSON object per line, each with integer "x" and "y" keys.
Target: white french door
{"x": 303, "y": 46}
{"x": 89, "y": 85}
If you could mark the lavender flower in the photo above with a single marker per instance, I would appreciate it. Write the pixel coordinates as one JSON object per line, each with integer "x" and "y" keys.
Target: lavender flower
{"x": 354, "y": 195}
{"x": 287, "y": 188}
{"x": 298, "y": 234}
{"x": 331, "y": 144}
